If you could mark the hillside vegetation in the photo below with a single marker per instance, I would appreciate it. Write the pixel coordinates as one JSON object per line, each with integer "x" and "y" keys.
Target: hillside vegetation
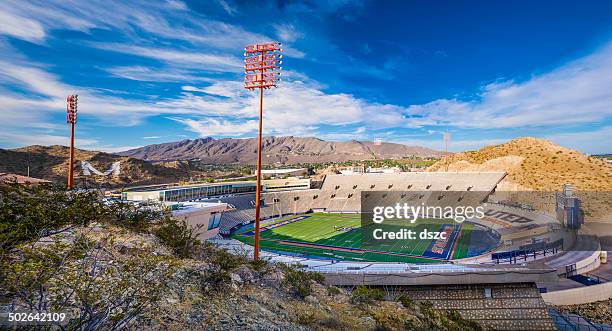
{"x": 534, "y": 164}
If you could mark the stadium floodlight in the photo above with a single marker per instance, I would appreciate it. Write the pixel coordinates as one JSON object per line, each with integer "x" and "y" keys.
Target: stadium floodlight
{"x": 261, "y": 71}
{"x": 71, "y": 118}
{"x": 446, "y": 139}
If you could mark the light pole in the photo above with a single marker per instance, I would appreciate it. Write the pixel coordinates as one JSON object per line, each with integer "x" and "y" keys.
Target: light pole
{"x": 446, "y": 139}
{"x": 261, "y": 71}
{"x": 71, "y": 118}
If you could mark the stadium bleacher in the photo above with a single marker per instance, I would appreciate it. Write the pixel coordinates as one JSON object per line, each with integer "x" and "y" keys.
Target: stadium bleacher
{"x": 342, "y": 193}
{"x": 525, "y": 251}
{"x": 416, "y": 181}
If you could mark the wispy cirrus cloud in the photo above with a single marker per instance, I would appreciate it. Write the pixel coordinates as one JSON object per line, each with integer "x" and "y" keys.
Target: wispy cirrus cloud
{"x": 163, "y": 74}
{"x": 217, "y": 127}
{"x": 231, "y": 10}
{"x": 20, "y": 27}
{"x": 43, "y": 139}
{"x": 199, "y": 60}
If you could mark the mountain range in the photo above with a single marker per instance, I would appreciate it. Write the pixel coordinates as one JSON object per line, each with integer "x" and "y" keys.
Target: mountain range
{"x": 284, "y": 150}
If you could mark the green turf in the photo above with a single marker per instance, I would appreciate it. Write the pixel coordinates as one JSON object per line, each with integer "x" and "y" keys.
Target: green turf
{"x": 461, "y": 249}
{"x": 331, "y": 229}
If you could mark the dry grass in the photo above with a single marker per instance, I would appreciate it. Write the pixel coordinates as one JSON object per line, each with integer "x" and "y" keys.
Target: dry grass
{"x": 535, "y": 164}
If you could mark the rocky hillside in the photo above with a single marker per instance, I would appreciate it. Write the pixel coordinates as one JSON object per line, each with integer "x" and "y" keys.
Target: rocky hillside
{"x": 534, "y": 164}
{"x": 539, "y": 165}
{"x": 51, "y": 163}
{"x": 286, "y": 150}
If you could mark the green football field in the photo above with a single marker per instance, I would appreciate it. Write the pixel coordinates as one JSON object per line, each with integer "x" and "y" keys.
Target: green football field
{"x": 338, "y": 236}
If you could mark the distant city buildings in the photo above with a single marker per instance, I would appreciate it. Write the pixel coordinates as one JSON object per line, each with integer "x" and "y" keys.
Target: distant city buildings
{"x": 281, "y": 173}
{"x": 350, "y": 170}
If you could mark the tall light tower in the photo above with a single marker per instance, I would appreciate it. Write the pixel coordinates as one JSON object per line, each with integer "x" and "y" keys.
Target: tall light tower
{"x": 261, "y": 71}
{"x": 71, "y": 118}
{"x": 446, "y": 139}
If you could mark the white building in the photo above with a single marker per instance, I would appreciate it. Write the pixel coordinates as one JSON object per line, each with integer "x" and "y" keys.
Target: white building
{"x": 207, "y": 215}
{"x": 384, "y": 170}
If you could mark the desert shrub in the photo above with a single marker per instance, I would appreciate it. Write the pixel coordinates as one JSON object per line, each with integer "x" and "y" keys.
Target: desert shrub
{"x": 317, "y": 277}
{"x": 137, "y": 218}
{"x": 332, "y": 323}
{"x": 386, "y": 320}
{"x": 405, "y": 300}
{"x": 365, "y": 295}
{"x": 445, "y": 319}
{"x": 215, "y": 279}
{"x": 58, "y": 277}
{"x": 458, "y": 322}
{"x": 306, "y": 318}
{"x": 332, "y": 291}
{"x": 260, "y": 265}
{"x": 28, "y": 213}
{"x": 224, "y": 260}
{"x": 178, "y": 236}
{"x": 299, "y": 281}
{"x": 221, "y": 265}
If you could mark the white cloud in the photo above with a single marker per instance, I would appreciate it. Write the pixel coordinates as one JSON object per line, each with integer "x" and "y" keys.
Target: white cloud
{"x": 592, "y": 141}
{"x": 43, "y": 94}
{"x": 198, "y": 60}
{"x": 175, "y": 4}
{"x": 114, "y": 149}
{"x": 20, "y": 27}
{"x": 578, "y": 92}
{"x": 145, "y": 74}
{"x": 294, "y": 108}
{"x": 31, "y": 21}
{"x": 9, "y": 138}
{"x": 227, "y": 7}
{"x": 287, "y": 32}
{"x": 218, "y": 127}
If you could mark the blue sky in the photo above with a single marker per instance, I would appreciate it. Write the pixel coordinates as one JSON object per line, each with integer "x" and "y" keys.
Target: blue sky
{"x": 402, "y": 71}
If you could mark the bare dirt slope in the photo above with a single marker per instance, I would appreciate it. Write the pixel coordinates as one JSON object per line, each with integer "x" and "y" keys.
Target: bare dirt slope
{"x": 287, "y": 150}
{"x": 539, "y": 165}
{"x": 535, "y": 164}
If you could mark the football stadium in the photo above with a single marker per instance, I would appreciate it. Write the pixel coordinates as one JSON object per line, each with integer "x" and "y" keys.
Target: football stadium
{"x": 501, "y": 269}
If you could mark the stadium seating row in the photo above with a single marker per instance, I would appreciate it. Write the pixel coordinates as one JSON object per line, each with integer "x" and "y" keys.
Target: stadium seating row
{"x": 415, "y": 181}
